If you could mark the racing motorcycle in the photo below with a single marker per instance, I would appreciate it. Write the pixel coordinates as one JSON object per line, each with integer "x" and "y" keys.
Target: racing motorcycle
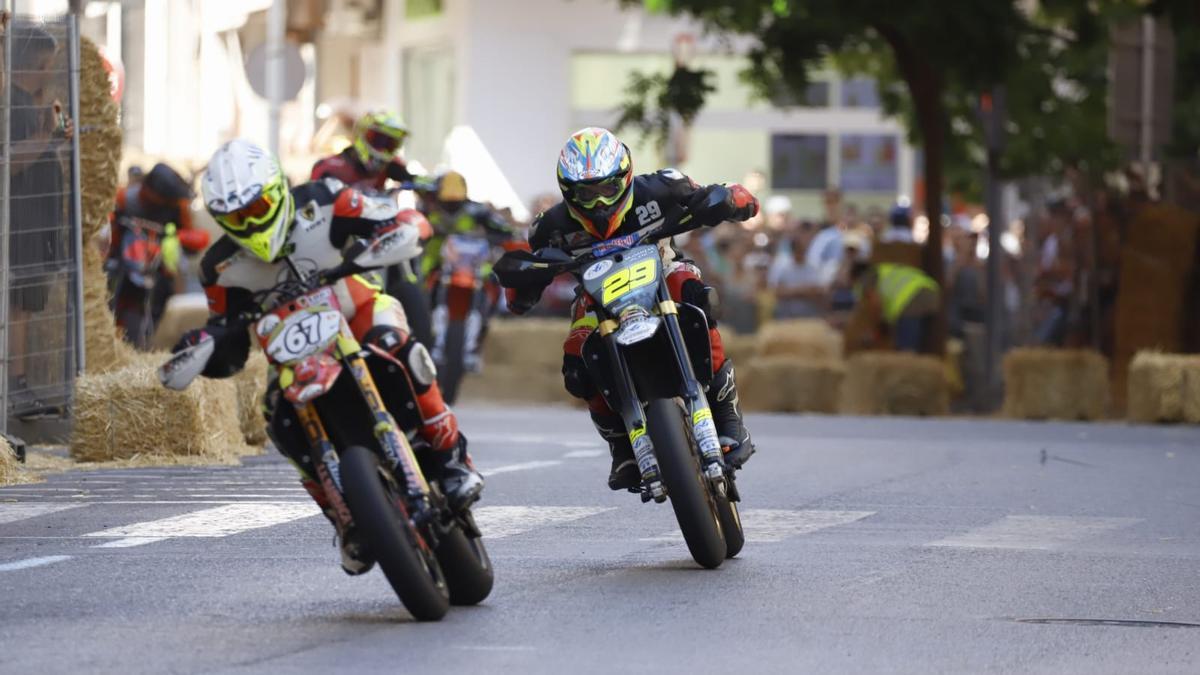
{"x": 460, "y": 304}
{"x": 139, "y": 284}
{"x": 651, "y": 359}
{"x": 432, "y": 557}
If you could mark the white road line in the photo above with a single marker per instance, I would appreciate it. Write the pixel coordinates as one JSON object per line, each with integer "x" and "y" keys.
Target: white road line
{"x": 220, "y": 521}
{"x": 774, "y": 525}
{"x": 583, "y": 454}
{"x": 11, "y": 512}
{"x": 504, "y": 521}
{"x": 522, "y": 466}
{"x": 32, "y": 562}
{"x": 1034, "y": 532}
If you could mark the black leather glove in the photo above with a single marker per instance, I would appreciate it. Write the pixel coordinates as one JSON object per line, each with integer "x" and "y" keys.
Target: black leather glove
{"x": 711, "y": 205}
{"x": 192, "y": 338}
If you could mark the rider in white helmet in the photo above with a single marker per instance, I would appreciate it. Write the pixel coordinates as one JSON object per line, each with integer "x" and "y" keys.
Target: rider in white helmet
{"x": 272, "y": 232}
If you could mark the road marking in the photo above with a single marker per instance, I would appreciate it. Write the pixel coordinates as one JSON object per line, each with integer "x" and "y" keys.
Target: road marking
{"x": 496, "y": 648}
{"x": 774, "y": 525}
{"x": 504, "y": 521}
{"x": 221, "y": 521}
{"x": 522, "y": 466}
{"x": 11, "y": 512}
{"x": 1034, "y": 532}
{"x": 583, "y": 454}
{"x": 33, "y": 562}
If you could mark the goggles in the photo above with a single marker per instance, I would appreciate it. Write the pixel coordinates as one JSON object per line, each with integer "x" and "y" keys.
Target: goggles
{"x": 252, "y": 217}
{"x": 383, "y": 142}
{"x": 605, "y": 191}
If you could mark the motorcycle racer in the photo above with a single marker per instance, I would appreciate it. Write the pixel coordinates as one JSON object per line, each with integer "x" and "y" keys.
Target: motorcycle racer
{"x": 371, "y": 160}
{"x": 273, "y": 233}
{"x": 603, "y": 199}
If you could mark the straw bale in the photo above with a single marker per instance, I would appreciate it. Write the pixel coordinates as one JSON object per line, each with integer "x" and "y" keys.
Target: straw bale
{"x": 790, "y": 384}
{"x": 183, "y": 312}
{"x": 516, "y": 384}
{"x": 11, "y": 471}
{"x": 1158, "y": 386}
{"x": 808, "y": 338}
{"x": 127, "y": 414}
{"x": 1044, "y": 383}
{"x": 251, "y": 385}
{"x": 1151, "y": 305}
{"x": 898, "y": 252}
{"x": 99, "y": 140}
{"x": 104, "y": 347}
{"x": 894, "y": 383}
{"x": 531, "y": 344}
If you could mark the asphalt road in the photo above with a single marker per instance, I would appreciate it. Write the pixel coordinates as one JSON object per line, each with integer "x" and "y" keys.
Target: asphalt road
{"x": 873, "y": 546}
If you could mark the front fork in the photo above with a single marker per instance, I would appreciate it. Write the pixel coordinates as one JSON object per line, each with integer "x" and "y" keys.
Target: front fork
{"x": 394, "y": 443}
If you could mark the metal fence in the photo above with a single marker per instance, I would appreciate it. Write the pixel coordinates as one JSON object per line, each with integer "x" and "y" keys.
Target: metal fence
{"x": 41, "y": 324}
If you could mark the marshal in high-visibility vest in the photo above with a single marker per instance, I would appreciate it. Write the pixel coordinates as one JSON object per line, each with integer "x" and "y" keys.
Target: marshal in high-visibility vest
{"x": 902, "y": 298}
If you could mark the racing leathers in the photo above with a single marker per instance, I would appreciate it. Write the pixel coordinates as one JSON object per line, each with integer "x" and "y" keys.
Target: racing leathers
{"x": 654, "y": 196}
{"x": 347, "y": 168}
{"x": 328, "y": 216}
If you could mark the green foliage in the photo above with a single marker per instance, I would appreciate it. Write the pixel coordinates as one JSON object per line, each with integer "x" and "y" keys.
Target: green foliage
{"x": 651, "y": 101}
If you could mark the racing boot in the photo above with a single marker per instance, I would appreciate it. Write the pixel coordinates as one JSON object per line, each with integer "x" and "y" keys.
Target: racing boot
{"x": 624, "y": 474}
{"x": 355, "y": 559}
{"x": 727, "y": 416}
{"x": 456, "y": 473}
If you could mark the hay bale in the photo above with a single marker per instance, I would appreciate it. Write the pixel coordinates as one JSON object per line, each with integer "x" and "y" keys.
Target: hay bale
{"x": 806, "y": 338}
{"x": 1164, "y": 388}
{"x": 790, "y": 384}
{"x": 528, "y": 343}
{"x": 1151, "y": 306}
{"x": 516, "y": 384}
{"x": 99, "y": 140}
{"x": 1067, "y": 384}
{"x": 251, "y": 385}
{"x": 894, "y": 383}
{"x": 183, "y": 312}
{"x": 11, "y": 472}
{"x": 126, "y": 413}
{"x": 104, "y": 347}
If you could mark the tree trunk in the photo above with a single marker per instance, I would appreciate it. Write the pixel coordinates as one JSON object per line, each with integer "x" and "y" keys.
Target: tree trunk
{"x": 926, "y": 88}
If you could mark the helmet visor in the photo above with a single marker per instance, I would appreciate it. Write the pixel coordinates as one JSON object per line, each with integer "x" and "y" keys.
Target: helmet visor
{"x": 382, "y": 142}
{"x": 253, "y": 217}
{"x": 606, "y": 191}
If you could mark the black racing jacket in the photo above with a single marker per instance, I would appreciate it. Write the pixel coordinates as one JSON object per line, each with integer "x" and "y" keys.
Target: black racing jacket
{"x": 655, "y": 196}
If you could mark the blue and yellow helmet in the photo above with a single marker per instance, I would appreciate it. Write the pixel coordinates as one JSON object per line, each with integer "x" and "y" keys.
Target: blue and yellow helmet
{"x": 595, "y": 174}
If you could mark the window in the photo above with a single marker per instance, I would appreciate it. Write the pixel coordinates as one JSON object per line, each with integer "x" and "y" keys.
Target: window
{"x": 799, "y": 162}
{"x": 420, "y": 9}
{"x": 860, "y": 92}
{"x": 816, "y": 95}
{"x": 869, "y": 163}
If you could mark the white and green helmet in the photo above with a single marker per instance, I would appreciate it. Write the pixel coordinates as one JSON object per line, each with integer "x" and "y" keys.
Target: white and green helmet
{"x": 246, "y": 192}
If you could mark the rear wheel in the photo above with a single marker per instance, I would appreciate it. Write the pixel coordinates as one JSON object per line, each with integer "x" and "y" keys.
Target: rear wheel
{"x": 450, "y": 371}
{"x": 467, "y": 566}
{"x": 695, "y": 507}
{"x": 404, "y": 556}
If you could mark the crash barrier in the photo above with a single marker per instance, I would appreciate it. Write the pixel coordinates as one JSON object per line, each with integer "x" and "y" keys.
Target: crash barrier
{"x": 40, "y": 242}
{"x": 126, "y": 413}
{"x": 1164, "y": 388}
{"x": 1068, "y": 384}
{"x": 893, "y": 383}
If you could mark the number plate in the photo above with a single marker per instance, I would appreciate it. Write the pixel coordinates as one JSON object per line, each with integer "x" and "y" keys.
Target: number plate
{"x": 304, "y": 333}
{"x": 626, "y": 279}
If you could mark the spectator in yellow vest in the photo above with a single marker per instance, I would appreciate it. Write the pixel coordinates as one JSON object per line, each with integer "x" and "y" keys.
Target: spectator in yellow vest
{"x": 901, "y": 300}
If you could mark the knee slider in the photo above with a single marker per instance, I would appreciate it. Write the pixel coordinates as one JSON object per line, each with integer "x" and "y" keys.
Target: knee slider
{"x": 411, "y": 354}
{"x": 576, "y": 379}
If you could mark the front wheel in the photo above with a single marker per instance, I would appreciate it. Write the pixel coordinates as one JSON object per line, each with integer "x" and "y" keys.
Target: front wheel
{"x": 695, "y": 507}
{"x": 452, "y": 367}
{"x": 403, "y": 554}
{"x": 467, "y": 566}
{"x": 731, "y": 525}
